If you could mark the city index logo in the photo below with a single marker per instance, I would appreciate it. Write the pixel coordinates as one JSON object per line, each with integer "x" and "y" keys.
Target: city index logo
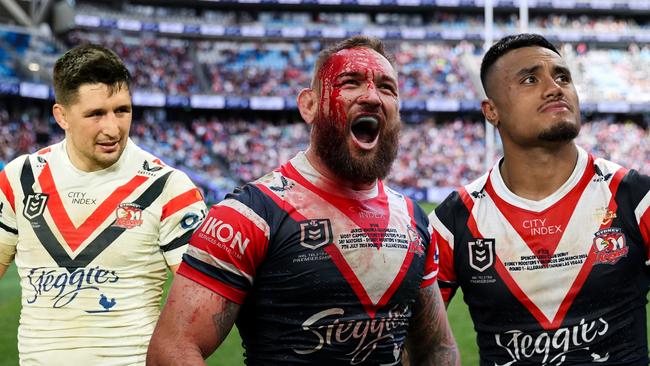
{"x": 225, "y": 234}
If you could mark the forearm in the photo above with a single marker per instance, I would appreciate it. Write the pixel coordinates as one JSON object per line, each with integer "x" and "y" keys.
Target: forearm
{"x": 192, "y": 325}
{"x": 430, "y": 340}
{"x": 174, "y": 354}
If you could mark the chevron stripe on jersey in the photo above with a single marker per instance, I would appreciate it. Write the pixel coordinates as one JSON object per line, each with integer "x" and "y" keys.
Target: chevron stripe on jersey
{"x": 554, "y": 265}
{"x": 548, "y": 307}
{"x": 72, "y": 235}
{"x": 302, "y": 255}
{"x": 373, "y": 274}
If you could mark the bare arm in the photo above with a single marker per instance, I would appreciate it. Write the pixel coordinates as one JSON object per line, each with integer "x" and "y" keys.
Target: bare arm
{"x": 3, "y": 269}
{"x": 192, "y": 325}
{"x": 430, "y": 341}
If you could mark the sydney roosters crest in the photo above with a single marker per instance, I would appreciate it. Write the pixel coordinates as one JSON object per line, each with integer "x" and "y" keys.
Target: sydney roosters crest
{"x": 129, "y": 215}
{"x": 610, "y": 246}
{"x": 415, "y": 242}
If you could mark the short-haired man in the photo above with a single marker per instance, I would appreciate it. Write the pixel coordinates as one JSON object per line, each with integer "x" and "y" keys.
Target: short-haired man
{"x": 318, "y": 262}
{"x": 93, "y": 222}
{"x": 551, "y": 246}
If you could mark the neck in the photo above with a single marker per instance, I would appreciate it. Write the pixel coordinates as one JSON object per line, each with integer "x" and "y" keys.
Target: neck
{"x": 328, "y": 174}
{"x": 537, "y": 173}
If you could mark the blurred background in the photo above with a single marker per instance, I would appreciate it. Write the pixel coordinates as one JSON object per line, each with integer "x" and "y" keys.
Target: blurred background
{"x": 214, "y": 87}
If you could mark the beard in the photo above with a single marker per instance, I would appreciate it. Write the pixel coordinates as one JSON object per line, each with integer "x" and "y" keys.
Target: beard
{"x": 561, "y": 132}
{"x": 331, "y": 145}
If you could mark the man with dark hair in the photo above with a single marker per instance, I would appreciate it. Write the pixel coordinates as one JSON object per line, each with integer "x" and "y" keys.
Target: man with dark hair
{"x": 317, "y": 262}
{"x": 551, "y": 246}
{"x": 93, "y": 222}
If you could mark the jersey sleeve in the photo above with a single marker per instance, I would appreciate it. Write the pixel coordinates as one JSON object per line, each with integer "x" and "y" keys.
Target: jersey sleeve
{"x": 425, "y": 243}
{"x": 441, "y": 221}
{"x": 431, "y": 266}
{"x": 226, "y": 250}
{"x": 638, "y": 187}
{"x": 8, "y": 223}
{"x": 182, "y": 211}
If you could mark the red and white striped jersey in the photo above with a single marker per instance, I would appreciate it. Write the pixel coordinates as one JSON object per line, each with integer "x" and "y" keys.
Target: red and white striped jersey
{"x": 92, "y": 250}
{"x": 325, "y": 275}
{"x": 560, "y": 281}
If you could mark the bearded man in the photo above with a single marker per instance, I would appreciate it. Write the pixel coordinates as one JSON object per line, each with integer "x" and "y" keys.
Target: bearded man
{"x": 318, "y": 262}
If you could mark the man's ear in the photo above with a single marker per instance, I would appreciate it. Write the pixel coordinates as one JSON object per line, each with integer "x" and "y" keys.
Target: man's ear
{"x": 490, "y": 111}
{"x": 308, "y": 105}
{"x": 58, "y": 111}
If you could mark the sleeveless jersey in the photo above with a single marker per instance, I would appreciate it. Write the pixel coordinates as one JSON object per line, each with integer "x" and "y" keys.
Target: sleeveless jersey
{"x": 561, "y": 281}
{"x": 324, "y": 275}
{"x": 92, "y": 250}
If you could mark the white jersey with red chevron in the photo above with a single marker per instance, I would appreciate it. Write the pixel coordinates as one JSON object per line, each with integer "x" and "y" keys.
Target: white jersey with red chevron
{"x": 560, "y": 281}
{"x": 92, "y": 250}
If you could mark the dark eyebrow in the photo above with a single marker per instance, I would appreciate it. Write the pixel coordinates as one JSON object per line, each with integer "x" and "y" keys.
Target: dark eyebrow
{"x": 94, "y": 111}
{"x": 353, "y": 74}
{"x": 528, "y": 70}
{"x": 557, "y": 69}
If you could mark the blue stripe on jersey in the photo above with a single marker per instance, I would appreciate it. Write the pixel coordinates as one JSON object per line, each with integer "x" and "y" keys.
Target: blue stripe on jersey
{"x": 223, "y": 276}
{"x": 178, "y": 242}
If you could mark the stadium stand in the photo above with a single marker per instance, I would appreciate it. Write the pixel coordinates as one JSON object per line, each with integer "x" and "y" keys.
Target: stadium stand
{"x": 217, "y": 59}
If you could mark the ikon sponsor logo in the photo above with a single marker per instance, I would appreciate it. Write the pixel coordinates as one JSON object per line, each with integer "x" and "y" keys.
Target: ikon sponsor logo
{"x": 225, "y": 233}
{"x": 62, "y": 287}
{"x": 551, "y": 348}
{"x": 129, "y": 215}
{"x": 481, "y": 253}
{"x": 610, "y": 246}
{"x": 329, "y": 328}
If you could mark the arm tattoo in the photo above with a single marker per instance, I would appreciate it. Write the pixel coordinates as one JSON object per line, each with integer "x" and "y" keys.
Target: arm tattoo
{"x": 430, "y": 340}
{"x": 224, "y": 320}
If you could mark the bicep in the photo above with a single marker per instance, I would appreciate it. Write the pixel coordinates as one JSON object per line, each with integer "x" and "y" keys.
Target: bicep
{"x": 194, "y": 319}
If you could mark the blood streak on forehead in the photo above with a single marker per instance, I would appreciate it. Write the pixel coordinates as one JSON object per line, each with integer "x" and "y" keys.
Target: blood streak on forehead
{"x": 351, "y": 60}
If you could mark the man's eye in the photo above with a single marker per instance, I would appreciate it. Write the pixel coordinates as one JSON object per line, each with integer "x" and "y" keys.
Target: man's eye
{"x": 529, "y": 80}
{"x": 348, "y": 82}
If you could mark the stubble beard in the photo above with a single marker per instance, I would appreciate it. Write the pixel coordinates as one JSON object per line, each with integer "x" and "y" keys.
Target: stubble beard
{"x": 560, "y": 132}
{"x": 331, "y": 145}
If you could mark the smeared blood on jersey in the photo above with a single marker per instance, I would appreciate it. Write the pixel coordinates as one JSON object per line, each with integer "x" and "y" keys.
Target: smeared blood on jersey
{"x": 363, "y": 60}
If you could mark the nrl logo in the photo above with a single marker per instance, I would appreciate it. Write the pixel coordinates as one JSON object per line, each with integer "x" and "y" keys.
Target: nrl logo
{"x": 481, "y": 254}
{"x": 315, "y": 233}
{"x": 35, "y": 205}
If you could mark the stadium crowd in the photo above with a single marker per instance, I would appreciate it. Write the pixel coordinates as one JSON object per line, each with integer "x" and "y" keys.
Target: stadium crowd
{"x": 222, "y": 153}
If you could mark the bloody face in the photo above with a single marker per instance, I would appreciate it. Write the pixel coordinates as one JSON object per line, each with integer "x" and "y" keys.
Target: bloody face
{"x": 356, "y": 130}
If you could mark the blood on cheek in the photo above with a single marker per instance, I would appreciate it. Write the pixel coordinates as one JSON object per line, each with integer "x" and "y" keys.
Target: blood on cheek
{"x": 354, "y": 60}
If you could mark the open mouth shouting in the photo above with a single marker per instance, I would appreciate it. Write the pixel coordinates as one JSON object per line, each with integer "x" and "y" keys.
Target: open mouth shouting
{"x": 365, "y": 132}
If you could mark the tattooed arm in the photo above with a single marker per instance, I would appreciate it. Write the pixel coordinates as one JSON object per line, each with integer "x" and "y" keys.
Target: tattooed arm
{"x": 430, "y": 341}
{"x": 192, "y": 325}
